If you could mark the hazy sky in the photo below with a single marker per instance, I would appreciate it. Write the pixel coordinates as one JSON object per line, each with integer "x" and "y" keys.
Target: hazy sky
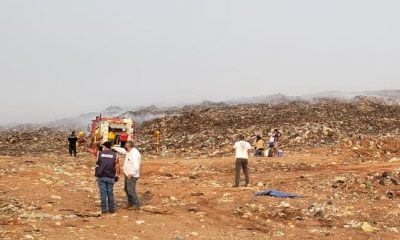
{"x": 62, "y": 58}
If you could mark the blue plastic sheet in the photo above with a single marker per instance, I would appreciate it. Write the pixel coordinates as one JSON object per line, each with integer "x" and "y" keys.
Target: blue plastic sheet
{"x": 276, "y": 193}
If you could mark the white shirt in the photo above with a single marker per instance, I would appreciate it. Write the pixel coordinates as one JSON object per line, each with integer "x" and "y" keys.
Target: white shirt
{"x": 242, "y": 148}
{"x": 271, "y": 137}
{"x": 132, "y": 161}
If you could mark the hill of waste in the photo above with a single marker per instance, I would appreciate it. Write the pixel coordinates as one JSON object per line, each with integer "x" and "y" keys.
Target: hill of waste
{"x": 368, "y": 128}
{"x": 205, "y": 131}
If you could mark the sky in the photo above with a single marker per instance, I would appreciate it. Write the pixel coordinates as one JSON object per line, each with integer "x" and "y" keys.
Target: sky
{"x": 62, "y": 58}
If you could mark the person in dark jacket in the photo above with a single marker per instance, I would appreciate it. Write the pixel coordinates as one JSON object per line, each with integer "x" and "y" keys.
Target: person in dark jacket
{"x": 107, "y": 172}
{"x": 72, "y": 139}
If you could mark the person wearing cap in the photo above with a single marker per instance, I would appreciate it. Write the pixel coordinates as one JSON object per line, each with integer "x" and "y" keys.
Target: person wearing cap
{"x": 107, "y": 172}
{"x": 123, "y": 137}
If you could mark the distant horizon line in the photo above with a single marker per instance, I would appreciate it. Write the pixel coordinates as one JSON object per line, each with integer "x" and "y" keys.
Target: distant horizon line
{"x": 342, "y": 95}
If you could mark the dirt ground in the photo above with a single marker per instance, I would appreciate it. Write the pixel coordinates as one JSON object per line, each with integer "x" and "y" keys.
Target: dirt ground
{"x": 56, "y": 197}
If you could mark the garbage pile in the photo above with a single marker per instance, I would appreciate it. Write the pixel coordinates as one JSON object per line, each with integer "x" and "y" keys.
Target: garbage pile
{"x": 205, "y": 131}
{"x": 33, "y": 141}
{"x": 367, "y": 127}
{"x": 375, "y": 185}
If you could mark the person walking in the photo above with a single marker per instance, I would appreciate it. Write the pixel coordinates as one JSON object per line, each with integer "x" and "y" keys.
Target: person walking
{"x": 242, "y": 149}
{"x": 72, "y": 139}
{"x": 131, "y": 170}
{"x": 107, "y": 172}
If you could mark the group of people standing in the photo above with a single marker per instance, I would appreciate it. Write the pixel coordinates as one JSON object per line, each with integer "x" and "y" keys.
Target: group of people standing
{"x": 108, "y": 171}
{"x": 273, "y": 144}
{"x": 120, "y": 138}
{"x": 243, "y": 149}
{"x": 108, "y": 167}
{"x": 74, "y": 141}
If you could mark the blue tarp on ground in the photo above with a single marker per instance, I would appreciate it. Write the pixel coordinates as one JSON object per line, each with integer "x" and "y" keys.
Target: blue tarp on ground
{"x": 276, "y": 193}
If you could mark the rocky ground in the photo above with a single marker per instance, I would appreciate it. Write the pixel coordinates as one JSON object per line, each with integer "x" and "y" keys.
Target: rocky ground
{"x": 56, "y": 197}
{"x": 343, "y": 158}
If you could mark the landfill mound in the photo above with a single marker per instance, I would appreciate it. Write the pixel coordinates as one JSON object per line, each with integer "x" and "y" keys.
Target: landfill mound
{"x": 33, "y": 140}
{"x": 341, "y": 158}
{"x": 365, "y": 126}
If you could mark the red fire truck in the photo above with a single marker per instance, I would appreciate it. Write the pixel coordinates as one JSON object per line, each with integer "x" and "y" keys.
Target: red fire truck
{"x": 101, "y": 126}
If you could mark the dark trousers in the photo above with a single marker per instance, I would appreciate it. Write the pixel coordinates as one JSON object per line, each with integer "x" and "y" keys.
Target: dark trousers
{"x": 72, "y": 149}
{"x": 259, "y": 152}
{"x": 106, "y": 186}
{"x": 241, "y": 163}
{"x": 130, "y": 190}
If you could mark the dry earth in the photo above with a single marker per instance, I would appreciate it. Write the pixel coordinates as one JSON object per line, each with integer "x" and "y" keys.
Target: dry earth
{"x": 56, "y": 197}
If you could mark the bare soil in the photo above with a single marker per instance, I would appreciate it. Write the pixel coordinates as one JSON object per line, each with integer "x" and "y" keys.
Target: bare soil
{"x": 56, "y": 197}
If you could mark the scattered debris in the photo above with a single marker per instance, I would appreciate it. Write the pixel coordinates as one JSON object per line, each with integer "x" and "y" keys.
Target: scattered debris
{"x": 153, "y": 209}
{"x": 367, "y": 227}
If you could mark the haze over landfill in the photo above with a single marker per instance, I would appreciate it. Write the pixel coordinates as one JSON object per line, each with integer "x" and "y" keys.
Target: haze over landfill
{"x": 61, "y": 58}
{"x": 313, "y": 87}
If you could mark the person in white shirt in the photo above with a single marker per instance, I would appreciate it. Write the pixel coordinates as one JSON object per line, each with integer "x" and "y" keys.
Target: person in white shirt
{"x": 242, "y": 149}
{"x": 131, "y": 171}
{"x": 271, "y": 139}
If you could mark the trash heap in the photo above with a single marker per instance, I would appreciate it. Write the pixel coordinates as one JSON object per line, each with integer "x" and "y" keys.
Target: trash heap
{"x": 368, "y": 128}
{"x": 364, "y": 126}
{"x": 33, "y": 141}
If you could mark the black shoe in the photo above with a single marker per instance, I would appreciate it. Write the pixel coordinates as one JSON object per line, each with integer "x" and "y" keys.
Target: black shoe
{"x": 135, "y": 208}
{"x": 112, "y": 211}
{"x": 103, "y": 212}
